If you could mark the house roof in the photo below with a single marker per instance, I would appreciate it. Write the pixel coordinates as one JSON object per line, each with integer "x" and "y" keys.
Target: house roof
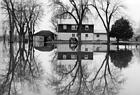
{"x": 44, "y": 33}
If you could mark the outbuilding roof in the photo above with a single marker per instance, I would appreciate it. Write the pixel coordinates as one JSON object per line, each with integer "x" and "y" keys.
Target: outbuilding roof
{"x": 45, "y": 48}
{"x": 44, "y": 33}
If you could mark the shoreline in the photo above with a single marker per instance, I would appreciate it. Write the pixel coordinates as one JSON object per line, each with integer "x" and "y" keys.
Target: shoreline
{"x": 97, "y": 42}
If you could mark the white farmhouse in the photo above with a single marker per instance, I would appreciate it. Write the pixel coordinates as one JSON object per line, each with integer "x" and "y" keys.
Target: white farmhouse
{"x": 67, "y": 31}
{"x": 67, "y": 28}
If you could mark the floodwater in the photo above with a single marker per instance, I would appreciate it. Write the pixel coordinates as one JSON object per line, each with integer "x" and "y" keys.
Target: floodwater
{"x": 68, "y": 69}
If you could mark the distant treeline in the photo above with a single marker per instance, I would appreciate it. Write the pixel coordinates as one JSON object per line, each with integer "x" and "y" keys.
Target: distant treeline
{"x": 1, "y": 38}
{"x": 7, "y": 37}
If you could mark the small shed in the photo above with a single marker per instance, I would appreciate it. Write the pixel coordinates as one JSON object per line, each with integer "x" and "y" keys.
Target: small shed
{"x": 44, "y": 35}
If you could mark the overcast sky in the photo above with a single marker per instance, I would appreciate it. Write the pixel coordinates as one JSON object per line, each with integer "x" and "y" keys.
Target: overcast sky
{"x": 132, "y": 11}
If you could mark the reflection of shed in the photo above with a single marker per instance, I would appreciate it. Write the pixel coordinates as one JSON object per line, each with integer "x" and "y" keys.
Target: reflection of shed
{"x": 48, "y": 47}
{"x": 44, "y": 35}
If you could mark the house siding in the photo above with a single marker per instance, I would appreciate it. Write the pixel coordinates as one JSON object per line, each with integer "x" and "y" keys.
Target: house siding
{"x": 90, "y": 36}
{"x": 66, "y": 48}
{"x": 65, "y": 36}
{"x": 100, "y": 36}
{"x": 87, "y": 47}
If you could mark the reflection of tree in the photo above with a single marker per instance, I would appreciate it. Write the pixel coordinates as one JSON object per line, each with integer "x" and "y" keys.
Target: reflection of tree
{"x": 22, "y": 68}
{"x": 73, "y": 46}
{"x": 72, "y": 76}
{"x": 137, "y": 54}
{"x": 77, "y": 79}
{"x": 106, "y": 80}
{"x": 121, "y": 58}
{"x": 71, "y": 79}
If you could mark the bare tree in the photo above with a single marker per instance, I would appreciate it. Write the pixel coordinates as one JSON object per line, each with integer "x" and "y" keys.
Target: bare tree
{"x": 106, "y": 10}
{"x": 22, "y": 68}
{"x": 78, "y": 79}
{"x": 22, "y": 16}
{"x": 33, "y": 13}
{"x": 7, "y": 7}
{"x": 54, "y": 23}
{"x": 76, "y": 9}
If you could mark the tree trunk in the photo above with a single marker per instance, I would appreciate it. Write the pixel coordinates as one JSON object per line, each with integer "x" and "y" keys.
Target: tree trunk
{"x": 11, "y": 24}
{"x": 11, "y": 36}
{"x": 117, "y": 44}
{"x": 125, "y": 46}
{"x": 108, "y": 40}
{"x": 79, "y": 33}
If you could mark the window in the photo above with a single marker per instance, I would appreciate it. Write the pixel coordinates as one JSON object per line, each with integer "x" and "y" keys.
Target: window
{"x": 73, "y": 35}
{"x": 73, "y": 56}
{"x": 68, "y": 16}
{"x": 86, "y": 49}
{"x": 74, "y": 27}
{"x": 69, "y": 66}
{"x": 64, "y": 56}
{"x": 64, "y": 27}
{"x": 86, "y": 56}
{"x": 86, "y": 27}
{"x": 98, "y": 48}
{"x": 98, "y": 35}
{"x": 86, "y": 35}
{"x": 64, "y": 16}
{"x": 77, "y": 35}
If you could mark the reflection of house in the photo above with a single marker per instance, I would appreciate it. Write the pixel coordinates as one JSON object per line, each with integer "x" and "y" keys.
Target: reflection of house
{"x": 73, "y": 55}
{"x": 44, "y": 35}
{"x": 66, "y": 31}
{"x": 69, "y": 56}
{"x": 103, "y": 48}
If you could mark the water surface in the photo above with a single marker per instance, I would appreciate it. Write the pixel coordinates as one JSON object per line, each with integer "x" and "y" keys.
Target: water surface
{"x": 63, "y": 69}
